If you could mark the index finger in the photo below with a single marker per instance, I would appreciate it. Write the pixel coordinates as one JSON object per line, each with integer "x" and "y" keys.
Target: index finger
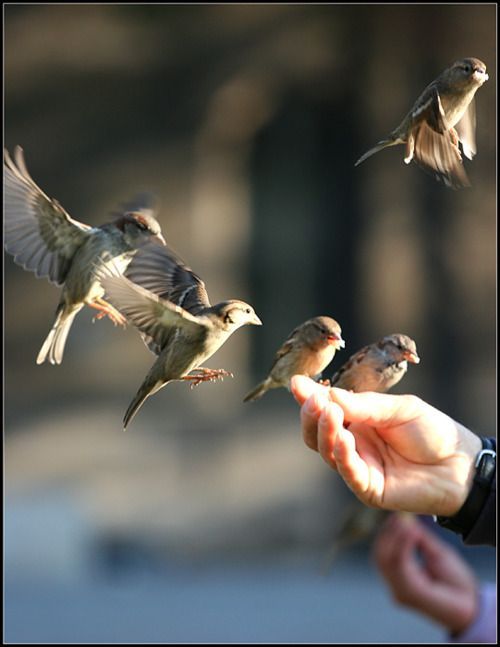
{"x": 376, "y": 409}
{"x": 310, "y": 413}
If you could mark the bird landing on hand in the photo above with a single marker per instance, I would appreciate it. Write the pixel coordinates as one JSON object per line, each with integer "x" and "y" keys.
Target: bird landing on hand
{"x": 308, "y": 350}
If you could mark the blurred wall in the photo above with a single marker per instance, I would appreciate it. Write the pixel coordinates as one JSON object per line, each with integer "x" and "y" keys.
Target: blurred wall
{"x": 245, "y": 121}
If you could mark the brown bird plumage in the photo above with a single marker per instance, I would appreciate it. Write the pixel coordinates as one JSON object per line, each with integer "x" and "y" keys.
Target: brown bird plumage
{"x": 44, "y": 239}
{"x": 308, "y": 350}
{"x": 442, "y": 116}
{"x": 378, "y": 366}
{"x": 169, "y": 305}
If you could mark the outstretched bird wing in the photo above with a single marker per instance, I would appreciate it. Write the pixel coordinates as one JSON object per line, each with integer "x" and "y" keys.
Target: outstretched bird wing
{"x": 159, "y": 269}
{"x": 156, "y": 318}
{"x": 39, "y": 233}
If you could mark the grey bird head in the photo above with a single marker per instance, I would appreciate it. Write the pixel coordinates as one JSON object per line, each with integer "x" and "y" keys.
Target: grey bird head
{"x": 322, "y": 331}
{"x": 234, "y": 313}
{"x": 399, "y": 348}
{"x": 139, "y": 226}
{"x": 464, "y": 73}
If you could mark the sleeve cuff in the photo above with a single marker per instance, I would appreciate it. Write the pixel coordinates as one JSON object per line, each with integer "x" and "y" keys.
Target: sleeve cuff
{"x": 484, "y": 627}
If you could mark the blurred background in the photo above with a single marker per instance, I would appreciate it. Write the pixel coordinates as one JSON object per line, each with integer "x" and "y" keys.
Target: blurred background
{"x": 210, "y": 520}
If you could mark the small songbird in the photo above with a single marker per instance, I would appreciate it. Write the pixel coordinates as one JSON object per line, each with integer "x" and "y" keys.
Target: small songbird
{"x": 43, "y": 238}
{"x": 307, "y": 351}
{"x": 378, "y": 366}
{"x": 443, "y": 115}
{"x": 169, "y": 305}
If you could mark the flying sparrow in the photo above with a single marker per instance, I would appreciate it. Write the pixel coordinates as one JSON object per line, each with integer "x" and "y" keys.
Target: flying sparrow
{"x": 44, "y": 239}
{"x": 377, "y": 367}
{"x": 428, "y": 130}
{"x": 169, "y": 305}
{"x": 307, "y": 351}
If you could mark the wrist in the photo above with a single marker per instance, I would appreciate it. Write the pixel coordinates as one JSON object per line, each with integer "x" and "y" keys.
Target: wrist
{"x": 483, "y": 472}
{"x": 469, "y": 446}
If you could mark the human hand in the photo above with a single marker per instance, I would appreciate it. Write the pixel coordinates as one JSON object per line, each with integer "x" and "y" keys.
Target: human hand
{"x": 399, "y": 453}
{"x": 426, "y": 574}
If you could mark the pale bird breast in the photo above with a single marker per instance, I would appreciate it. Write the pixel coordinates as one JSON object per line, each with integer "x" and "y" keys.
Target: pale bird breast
{"x": 313, "y": 362}
{"x": 455, "y": 106}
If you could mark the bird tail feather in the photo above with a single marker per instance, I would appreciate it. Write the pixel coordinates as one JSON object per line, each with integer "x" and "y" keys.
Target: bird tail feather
{"x": 259, "y": 390}
{"x": 53, "y": 346}
{"x": 378, "y": 147}
{"x": 147, "y": 388}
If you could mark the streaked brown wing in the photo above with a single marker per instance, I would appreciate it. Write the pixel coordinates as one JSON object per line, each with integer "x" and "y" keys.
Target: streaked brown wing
{"x": 39, "y": 233}
{"x": 341, "y": 378}
{"x": 428, "y": 109}
{"x": 158, "y": 269}
{"x": 436, "y": 153}
{"x": 156, "y": 318}
{"x": 284, "y": 350}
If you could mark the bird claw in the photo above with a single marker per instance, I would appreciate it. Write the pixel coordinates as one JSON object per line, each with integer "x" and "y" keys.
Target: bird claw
{"x": 206, "y": 375}
{"x": 105, "y": 309}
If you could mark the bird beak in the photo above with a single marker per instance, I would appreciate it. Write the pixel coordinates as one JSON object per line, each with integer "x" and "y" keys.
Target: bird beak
{"x": 336, "y": 340}
{"x": 411, "y": 357}
{"x": 161, "y": 239}
{"x": 255, "y": 321}
{"x": 480, "y": 76}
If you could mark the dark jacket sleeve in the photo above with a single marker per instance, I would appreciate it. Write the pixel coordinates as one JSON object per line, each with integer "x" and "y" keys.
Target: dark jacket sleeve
{"x": 483, "y": 532}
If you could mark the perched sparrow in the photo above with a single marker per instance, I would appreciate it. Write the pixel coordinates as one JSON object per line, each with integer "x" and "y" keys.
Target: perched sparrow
{"x": 43, "y": 238}
{"x": 377, "y": 367}
{"x": 307, "y": 351}
{"x": 169, "y": 305}
{"x": 428, "y": 130}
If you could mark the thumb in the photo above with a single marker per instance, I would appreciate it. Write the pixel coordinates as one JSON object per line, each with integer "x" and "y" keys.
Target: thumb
{"x": 302, "y": 387}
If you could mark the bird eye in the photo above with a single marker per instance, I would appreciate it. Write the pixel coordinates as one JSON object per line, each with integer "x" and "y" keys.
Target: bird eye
{"x": 467, "y": 68}
{"x": 248, "y": 311}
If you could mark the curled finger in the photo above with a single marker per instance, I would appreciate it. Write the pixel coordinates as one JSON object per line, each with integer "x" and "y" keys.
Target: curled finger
{"x": 309, "y": 417}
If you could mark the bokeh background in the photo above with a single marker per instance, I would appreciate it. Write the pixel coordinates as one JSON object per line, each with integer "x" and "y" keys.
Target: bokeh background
{"x": 210, "y": 520}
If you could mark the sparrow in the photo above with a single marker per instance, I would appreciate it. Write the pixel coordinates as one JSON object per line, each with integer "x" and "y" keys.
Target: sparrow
{"x": 43, "y": 238}
{"x": 307, "y": 351}
{"x": 378, "y": 366}
{"x": 428, "y": 130}
{"x": 168, "y": 303}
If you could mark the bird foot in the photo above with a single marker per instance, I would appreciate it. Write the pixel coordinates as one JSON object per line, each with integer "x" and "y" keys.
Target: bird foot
{"x": 107, "y": 310}
{"x": 199, "y": 375}
{"x": 324, "y": 382}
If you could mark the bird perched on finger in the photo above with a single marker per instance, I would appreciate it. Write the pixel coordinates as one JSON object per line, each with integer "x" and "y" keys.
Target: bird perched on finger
{"x": 169, "y": 304}
{"x": 442, "y": 116}
{"x": 307, "y": 351}
{"x": 43, "y": 238}
{"x": 378, "y": 366}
